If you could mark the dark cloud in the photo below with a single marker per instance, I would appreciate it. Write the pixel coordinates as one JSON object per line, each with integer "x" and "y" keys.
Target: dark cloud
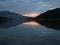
{"x": 29, "y": 6}
{"x": 3, "y": 0}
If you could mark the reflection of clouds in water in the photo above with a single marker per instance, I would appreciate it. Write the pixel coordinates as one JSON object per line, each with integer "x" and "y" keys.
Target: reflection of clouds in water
{"x": 28, "y": 35}
{"x": 32, "y": 23}
{"x": 36, "y": 36}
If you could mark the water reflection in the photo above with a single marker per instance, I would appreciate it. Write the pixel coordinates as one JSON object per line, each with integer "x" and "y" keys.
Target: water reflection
{"x": 50, "y": 19}
{"x": 32, "y": 23}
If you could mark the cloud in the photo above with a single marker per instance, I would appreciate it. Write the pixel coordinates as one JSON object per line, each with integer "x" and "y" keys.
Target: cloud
{"x": 29, "y": 6}
{"x": 3, "y": 0}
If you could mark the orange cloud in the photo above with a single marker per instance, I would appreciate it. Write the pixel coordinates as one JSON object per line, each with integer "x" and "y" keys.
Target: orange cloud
{"x": 31, "y": 14}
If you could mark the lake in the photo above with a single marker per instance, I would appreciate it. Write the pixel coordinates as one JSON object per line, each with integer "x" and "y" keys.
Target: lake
{"x": 29, "y": 33}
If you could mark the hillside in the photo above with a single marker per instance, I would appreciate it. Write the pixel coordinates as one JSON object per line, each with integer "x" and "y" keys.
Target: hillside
{"x": 50, "y": 18}
{"x": 10, "y": 19}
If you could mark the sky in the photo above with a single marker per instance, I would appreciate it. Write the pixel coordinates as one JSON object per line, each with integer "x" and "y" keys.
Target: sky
{"x": 28, "y": 6}
{"x": 27, "y": 34}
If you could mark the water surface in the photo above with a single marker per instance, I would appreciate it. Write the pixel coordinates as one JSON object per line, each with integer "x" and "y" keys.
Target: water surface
{"x": 29, "y": 33}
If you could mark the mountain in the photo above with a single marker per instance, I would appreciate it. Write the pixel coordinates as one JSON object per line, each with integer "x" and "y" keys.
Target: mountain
{"x": 10, "y": 19}
{"x": 10, "y": 14}
{"x": 50, "y": 19}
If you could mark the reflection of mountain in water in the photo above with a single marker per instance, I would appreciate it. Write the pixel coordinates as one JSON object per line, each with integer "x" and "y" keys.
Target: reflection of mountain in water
{"x": 50, "y": 19}
{"x": 5, "y": 19}
{"x": 9, "y": 19}
{"x": 31, "y": 23}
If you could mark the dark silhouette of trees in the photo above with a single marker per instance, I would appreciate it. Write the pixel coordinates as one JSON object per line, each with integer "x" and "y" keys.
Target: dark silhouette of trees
{"x": 5, "y": 19}
{"x": 50, "y": 18}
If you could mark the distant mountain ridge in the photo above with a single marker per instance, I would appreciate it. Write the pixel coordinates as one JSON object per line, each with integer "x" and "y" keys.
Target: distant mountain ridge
{"x": 10, "y": 19}
{"x": 9, "y": 13}
{"x": 50, "y": 18}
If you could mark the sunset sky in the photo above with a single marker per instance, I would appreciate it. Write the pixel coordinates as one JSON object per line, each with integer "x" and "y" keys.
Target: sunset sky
{"x": 31, "y": 14}
{"x": 24, "y": 33}
{"x": 28, "y": 6}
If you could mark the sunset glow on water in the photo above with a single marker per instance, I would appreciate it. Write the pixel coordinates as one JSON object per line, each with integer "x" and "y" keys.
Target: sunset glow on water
{"x": 32, "y": 23}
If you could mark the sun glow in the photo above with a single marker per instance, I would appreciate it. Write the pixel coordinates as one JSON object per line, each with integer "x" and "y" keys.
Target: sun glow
{"x": 32, "y": 23}
{"x": 31, "y": 14}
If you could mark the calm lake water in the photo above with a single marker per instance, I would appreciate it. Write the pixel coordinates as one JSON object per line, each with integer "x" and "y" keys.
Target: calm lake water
{"x": 29, "y": 33}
